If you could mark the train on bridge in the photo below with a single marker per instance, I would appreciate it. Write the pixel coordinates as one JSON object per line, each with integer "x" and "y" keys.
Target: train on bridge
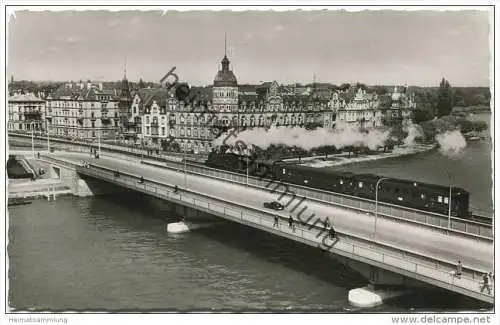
{"x": 408, "y": 193}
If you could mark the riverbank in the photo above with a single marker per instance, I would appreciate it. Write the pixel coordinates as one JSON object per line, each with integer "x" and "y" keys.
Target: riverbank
{"x": 345, "y": 159}
{"x": 45, "y": 185}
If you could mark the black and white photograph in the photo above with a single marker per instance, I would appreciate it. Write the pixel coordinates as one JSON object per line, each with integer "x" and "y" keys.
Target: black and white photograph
{"x": 169, "y": 160}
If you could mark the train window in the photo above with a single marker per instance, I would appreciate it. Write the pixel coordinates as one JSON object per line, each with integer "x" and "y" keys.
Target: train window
{"x": 341, "y": 182}
{"x": 400, "y": 198}
{"x": 446, "y": 199}
{"x": 360, "y": 184}
{"x": 440, "y": 199}
{"x": 414, "y": 184}
{"x": 306, "y": 181}
{"x": 422, "y": 196}
{"x": 284, "y": 171}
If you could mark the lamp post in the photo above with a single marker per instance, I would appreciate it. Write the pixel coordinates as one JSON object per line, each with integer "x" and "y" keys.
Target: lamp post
{"x": 48, "y": 132}
{"x": 32, "y": 138}
{"x": 247, "y": 170}
{"x": 99, "y": 142}
{"x": 449, "y": 203}
{"x": 376, "y": 206}
{"x": 185, "y": 167}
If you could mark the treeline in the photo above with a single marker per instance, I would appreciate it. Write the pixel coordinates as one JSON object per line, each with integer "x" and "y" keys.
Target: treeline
{"x": 434, "y": 102}
{"x": 48, "y": 87}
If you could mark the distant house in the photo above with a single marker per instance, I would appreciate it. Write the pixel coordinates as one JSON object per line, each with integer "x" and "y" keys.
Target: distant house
{"x": 26, "y": 113}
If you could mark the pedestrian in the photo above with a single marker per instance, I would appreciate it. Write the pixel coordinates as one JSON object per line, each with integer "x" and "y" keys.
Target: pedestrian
{"x": 291, "y": 224}
{"x": 492, "y": 277}
{"x": 486, "y": 283}
{"x": 141, "y": 180}
{"x": 333, "y": 233}
{"x": 39, "y": 155}
{"x": 458, "y": 274}
{"x": 276, "y": 221}
{"x": 176, "y": 189}
{"x": 326, "y": 223}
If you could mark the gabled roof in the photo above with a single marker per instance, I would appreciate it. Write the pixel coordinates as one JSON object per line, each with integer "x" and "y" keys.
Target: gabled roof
{"x": 159, "y": 95}
{"x": 75, "y": 92}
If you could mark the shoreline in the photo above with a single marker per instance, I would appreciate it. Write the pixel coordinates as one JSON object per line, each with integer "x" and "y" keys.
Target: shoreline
{"x": 343, "y": 159}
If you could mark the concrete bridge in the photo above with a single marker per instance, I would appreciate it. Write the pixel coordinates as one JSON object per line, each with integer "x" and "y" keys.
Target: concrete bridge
{"x": 404, "y": 254}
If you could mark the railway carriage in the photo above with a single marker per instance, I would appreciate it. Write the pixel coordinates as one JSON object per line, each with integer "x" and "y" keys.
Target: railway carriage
{"x": 412, "y": 194}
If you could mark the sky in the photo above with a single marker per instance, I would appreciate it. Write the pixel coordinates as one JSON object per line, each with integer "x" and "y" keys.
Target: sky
{"x": 373, "y": 47}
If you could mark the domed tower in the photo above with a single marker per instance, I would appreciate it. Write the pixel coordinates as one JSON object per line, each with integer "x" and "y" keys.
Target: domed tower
{"x": 225, "y": 89}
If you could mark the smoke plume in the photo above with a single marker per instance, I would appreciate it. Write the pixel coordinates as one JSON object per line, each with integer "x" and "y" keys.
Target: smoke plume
{"x": 451, "y": 143}
{"x": 342, "y": 136}
{"x": 414, "y": 131}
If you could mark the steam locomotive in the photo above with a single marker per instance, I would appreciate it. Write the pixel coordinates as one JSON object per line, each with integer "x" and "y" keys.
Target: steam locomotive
{"x": 412, "y": 194}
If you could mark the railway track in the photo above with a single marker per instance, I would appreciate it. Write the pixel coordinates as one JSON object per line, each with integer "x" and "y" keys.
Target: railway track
{"x": 482, "y": 219}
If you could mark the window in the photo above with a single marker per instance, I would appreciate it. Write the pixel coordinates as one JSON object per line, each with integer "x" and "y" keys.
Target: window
{"x": 284, "y": 171}
{"x": 440, "y": 199}
{"x": 147, "y": 129}
{"x": 341, "y": 182}
{"x": 163, "y": 130}
{"x": 446, "y": 200}
{"x": 360, "y": 184}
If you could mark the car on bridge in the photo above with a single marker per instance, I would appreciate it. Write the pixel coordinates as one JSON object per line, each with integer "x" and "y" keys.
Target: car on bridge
{"x": 274, "y": 205}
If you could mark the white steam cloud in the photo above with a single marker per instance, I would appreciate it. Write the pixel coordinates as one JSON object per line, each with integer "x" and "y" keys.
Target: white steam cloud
{"x": 451, "y": 143}
{"x": 342, "y": 136}
{"x": 414, "y": 131}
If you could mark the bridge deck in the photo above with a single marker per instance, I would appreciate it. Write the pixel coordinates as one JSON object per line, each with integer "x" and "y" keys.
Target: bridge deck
{"x": 427, "y": 242}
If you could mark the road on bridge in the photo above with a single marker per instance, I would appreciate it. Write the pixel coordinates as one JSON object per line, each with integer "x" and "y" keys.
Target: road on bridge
{"x": 473, "y": 253}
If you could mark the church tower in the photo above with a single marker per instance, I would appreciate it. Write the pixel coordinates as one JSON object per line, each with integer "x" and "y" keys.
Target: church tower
{"x": 225, "y": 91}
{"x": 125, "y": 100}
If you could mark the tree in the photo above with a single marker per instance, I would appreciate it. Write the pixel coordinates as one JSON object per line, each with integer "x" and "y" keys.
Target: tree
{"x": 344, "y": 86}
{"x": 480, "y": 126}
{"x": 141, "y": 84}
{"x": 421, "y": 115}
{"x": 445, "y": 98}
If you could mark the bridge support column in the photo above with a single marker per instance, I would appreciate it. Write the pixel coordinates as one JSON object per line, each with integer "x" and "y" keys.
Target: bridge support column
{"x": 382, "y": 284}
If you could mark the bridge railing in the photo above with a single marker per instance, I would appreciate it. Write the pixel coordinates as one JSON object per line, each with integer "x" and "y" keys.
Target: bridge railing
{"x": 385, "y": 210}
{"x": 437, "y": 270}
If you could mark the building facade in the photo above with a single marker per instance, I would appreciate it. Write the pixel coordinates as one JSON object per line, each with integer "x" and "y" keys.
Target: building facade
{"x": 367, "y": 110}
{"x": 194, "y": 124}
{"x": 26, "y": 113}
{"x": 83, "y": 111}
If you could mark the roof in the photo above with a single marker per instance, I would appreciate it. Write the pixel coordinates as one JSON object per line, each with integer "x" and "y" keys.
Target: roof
{"x": 225, "y": 78}
{"x": 75, "y": 92}
{"x": 159, "y": 95}
{"x": 25, "y": 98}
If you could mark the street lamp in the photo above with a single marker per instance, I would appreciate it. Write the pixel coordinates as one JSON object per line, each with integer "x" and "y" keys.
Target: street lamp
{"x": 376, "y": 206}
{"x": 185, "y": 167}
{"x": 99, "y": 142}
{"x": 48, "y": 141}
{"x": 32, "y": 138}
{"x": 247, "y": 170}
{"x": 449, "y": 202}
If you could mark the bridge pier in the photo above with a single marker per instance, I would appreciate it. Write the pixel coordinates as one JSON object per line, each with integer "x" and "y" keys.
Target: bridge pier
{"x": 382, "y": 284}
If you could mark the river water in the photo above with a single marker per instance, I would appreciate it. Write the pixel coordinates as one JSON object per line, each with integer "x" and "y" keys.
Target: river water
{"x": 113, "y": 253}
